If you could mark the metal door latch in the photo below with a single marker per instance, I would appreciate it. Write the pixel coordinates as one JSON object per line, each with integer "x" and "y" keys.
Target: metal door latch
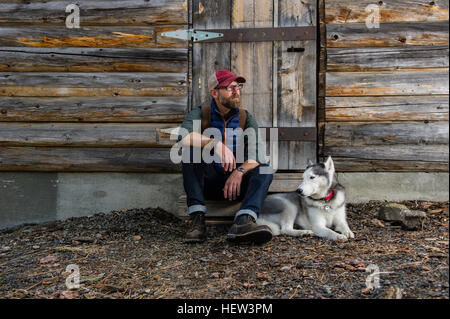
{"x": 292, "y": 49}
{"x": 191, "y": 35}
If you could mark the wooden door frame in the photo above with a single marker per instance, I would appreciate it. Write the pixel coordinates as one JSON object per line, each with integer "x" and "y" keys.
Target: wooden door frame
{"x": 305, "y": 132}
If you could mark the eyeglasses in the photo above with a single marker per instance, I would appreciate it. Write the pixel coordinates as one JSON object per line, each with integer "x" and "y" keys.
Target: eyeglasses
{"x": 232, "y": 87}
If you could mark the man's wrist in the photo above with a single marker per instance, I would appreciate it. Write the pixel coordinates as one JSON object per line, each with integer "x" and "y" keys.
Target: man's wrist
{"x": 242, "y": 170}
{"x": 218, "y": 144}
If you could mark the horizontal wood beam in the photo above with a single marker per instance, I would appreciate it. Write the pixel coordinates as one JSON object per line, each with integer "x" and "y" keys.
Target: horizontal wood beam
{"x": 386, "y": 108}
{"x": 93, "y": 109}
{"x": 85, "y": 134}
{"x": 366, "y": 134}
{"x": 124, "y": 12}
{"x": 422, "y": 82}
{"x": 388, "y": 35}
{"x": 158, "y": 160}
{"x": 350, "y": 164}
{"x": 404, "y": 152}
{"x": 91, "y": 37}
{"x": 386, "y": 58}
{"x": 92, "y": 84}
{"x": 69, "y": 159}
{"x": 349, "y": 11}
{"x": 78, "y": 59}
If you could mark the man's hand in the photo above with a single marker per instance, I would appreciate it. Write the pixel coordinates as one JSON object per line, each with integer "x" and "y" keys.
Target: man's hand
{"x": 227, "y": 156}
{"x": 232, "y": 188}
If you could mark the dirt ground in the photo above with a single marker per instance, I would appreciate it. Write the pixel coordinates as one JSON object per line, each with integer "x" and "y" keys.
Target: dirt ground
{"x": 139, "y": 253}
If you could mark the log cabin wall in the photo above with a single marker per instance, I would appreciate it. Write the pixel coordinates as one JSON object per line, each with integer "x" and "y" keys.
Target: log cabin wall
{"x": 93, "y": 98}
{"x": 383, "y": 92}
{"x": 97, "y": 98}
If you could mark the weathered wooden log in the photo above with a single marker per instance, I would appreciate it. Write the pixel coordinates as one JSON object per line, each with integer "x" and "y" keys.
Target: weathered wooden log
{"x": 402, "y": 152}
{"x": 124, "y": 12}
{"x": 69, "y": 159}
{"x": 94, "y": 37}
{"x": 158, "y": 160}
{"x": 348, "y": 164}
{"x": 85, "y": 135}
{"x": 92, "y": 60}
{"x": 361, "y": 134}
{"x": 348, "y": 11}
{"x": 92, "y": 84}
{"x": 386, "y": 108}
{"x": 93, "y": 109}
{"x": 357, "y": 35}
{"x": 423, "y": 82}
{"x": 386, "y": 59}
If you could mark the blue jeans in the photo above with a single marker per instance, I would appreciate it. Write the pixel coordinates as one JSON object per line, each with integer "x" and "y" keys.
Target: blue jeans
{"x": 206, "y": 181}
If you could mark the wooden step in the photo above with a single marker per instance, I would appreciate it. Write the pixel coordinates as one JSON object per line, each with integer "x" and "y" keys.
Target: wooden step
{"x": 215, "y": 209}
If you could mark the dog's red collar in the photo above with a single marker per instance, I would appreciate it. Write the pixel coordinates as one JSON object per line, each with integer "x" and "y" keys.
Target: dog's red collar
{"x": 329, "y": 196}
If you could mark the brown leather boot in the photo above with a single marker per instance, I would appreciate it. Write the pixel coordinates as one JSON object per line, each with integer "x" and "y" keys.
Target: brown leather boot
{"x": 245, "y": 229}
{"x": 197, "y": 233}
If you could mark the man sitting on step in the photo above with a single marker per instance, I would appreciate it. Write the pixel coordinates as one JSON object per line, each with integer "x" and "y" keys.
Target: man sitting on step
{"x": 228, "y": 176}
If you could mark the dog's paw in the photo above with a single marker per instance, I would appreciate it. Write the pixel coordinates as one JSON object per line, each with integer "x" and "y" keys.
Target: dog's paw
{"x": 341, "y": 238}
{"x": 306, "y": 233}
{"x": 348, "y": 234}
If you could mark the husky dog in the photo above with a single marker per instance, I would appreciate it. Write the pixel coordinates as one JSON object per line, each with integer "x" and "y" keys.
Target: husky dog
{"x": 316, "y": 206}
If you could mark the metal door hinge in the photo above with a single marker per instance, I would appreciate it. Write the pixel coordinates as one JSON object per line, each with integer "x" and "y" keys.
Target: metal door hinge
{"x": 192, "y": 35}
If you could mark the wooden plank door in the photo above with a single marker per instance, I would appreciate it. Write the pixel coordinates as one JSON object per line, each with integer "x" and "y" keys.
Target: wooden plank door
{"x": 281, "y": 85}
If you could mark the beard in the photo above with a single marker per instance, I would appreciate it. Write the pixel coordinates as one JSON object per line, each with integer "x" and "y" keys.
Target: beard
{"x": 231, "y": 102}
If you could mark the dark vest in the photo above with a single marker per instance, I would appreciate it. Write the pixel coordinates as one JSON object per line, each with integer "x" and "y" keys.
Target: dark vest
{"x": 229, "y": 128}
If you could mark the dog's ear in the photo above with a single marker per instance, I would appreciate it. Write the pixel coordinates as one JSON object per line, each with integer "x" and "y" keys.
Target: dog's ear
{"x": 329, "y": 165}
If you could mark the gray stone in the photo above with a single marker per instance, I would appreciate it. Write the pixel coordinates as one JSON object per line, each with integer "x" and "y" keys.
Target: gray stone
{"x": 400, "y": 214}
{"x": 413, "y": 219}
{"x": 392, "y": 212}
